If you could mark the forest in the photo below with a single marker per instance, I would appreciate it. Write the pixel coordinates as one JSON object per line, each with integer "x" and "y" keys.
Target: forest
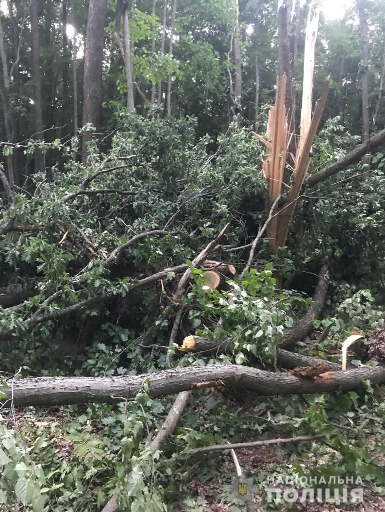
{"x": 192, "y": 255}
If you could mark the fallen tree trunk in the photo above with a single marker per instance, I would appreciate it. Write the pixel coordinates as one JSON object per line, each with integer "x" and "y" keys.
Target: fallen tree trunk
{"x": 350, "y": 158}
{"x": 49, "y": 391}
{"x": 286, "y": 359}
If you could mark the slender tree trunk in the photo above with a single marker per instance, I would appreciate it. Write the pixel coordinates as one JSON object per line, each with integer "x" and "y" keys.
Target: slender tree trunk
{"x": 169, "y": 81}
{"x": 238, "y": 67}
{"x": 257, "y": 79}
{"x": 36, "y": 77}
{"x": 162, "y": 46}
{"x": 15, "y": 76}
{"x": 380, "y": 93}
{"x": 128, "y": 62}
{"x": 74, "y": 71}
{"x": 6, "y": 105}
{"x": 362, "y": 13}
{"x": 153, "y": 88}
{"x": 66, "y": 62}
{"x": 93, "y": 68}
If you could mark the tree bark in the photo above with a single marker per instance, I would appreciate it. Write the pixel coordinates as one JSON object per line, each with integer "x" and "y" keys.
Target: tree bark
{"x": 36, "y": 77}
{"x": 128, "y": 61}
{"x": 6, "y": 105}
{"x": 350, "y": 158}
{"x": 362, "y": 14}
{"x": 51, "y": 391}
{"x": 93, "y": 67}
{"x": 169, "y": 79}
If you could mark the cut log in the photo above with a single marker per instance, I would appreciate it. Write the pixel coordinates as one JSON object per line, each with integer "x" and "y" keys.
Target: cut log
{"x": 49, "y": 391}
{"x": 211, "y": 280}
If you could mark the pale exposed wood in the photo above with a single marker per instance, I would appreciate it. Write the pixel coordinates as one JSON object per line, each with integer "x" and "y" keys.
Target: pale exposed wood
{"x": 308, "y": 71}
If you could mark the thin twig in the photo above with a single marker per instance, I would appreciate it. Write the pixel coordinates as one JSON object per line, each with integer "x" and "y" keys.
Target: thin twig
{"x": 218, "y": 447}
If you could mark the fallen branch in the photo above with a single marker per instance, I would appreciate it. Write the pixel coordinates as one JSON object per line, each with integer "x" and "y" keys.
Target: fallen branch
{"x": 350, "y": 158}
{"x": 171, "y": 421}
{"x": 261, "y": 232}
{"x": 267, "y": 442}
{"x": 305, "y": 325}
{"x": 82, "y": 189}
{"x": 50, "y": 391}
{"x": 115, "y": 254}
{"x": 80, "y": 306}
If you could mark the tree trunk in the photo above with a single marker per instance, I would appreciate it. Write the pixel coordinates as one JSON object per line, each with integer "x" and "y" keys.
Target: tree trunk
{"x": 93, "y": 67}
{"x": 36, "y": 77}
{"x": 6, "y": 105}
{"x": 169, "y": 80}
{"x": 66, "y": 62}
{"x": 380, "y": 93}
{"x": 153, "y": 88}
{"x": 51, "y": 391}
{"x": 257, "y": 86}
{"x": 362, "y": 14}
{"x": 128, "y": 62}
{"x": 162, "y": 46}
{"x": 238, "y": 67}
{"x": 14, "y": 74}
{"x": 74, "y": 71}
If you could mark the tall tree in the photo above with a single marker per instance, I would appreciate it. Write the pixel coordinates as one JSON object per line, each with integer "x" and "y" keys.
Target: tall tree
{"x": 238, "y": 66}
{"x": 93, "y": 67}
{"x": 36, "y": 77}
{"x": 162, "y": 46}
{"x": 169, "y": 80}
{"x": 362, "y": 6}
{"x": 153, "y": 41}
{"x": 128, "y": 54}
{"x": 5, "y": 90}
{"x": 74, "y": 69}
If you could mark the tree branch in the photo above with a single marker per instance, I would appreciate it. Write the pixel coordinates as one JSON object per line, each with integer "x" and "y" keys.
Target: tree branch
{"x": 267, "y": 442}
{"x": 85, "y": 183}
{"x": 350, "y": 158}
{"x": 80, "y": 306}
{"x": 305, "y": 325}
